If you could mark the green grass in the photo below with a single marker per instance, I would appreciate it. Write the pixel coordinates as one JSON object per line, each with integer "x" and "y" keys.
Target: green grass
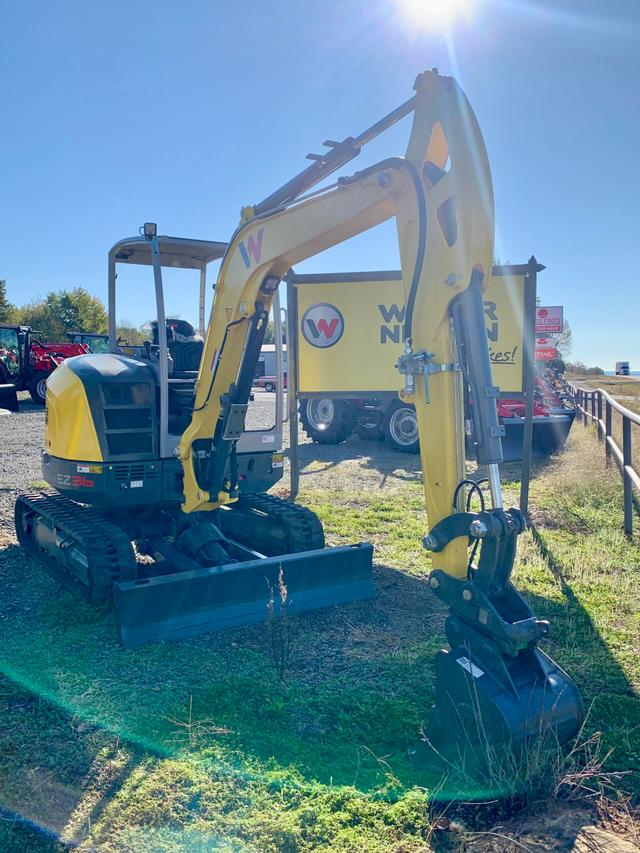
{"x": 199, "y": 746}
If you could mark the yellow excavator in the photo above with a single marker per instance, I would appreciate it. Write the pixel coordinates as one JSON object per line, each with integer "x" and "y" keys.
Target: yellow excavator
{"x": 145, "y": 449}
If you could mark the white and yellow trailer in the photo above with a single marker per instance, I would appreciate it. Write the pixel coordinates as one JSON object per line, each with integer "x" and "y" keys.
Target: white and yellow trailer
{"x": 343, "y": 321}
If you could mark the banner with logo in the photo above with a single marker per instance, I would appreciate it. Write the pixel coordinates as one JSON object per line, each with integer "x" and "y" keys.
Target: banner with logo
{"x": 351, "y": 331}
{"x": 546, "y": 349}
{"x": 549, "y": 319}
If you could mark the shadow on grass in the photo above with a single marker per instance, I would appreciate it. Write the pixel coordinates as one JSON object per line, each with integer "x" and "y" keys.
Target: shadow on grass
{"x": 386, "y": 462}
{"x": 48, "y": 767}
{"x": 612, "y": 702}
{"x": 358, "y": 682}
{"x": 358, "y": 686}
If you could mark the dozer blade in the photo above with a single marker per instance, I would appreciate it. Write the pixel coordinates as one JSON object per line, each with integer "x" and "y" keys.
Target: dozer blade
{"x": 549, "y": 436}
{"x": 184, "y": 604}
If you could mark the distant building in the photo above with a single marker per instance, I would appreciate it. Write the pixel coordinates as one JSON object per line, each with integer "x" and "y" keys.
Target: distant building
{"x": 267, "y": 361}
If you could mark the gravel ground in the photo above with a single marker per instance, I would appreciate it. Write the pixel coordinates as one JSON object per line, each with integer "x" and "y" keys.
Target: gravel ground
{"x": 20, "y": 446}
{"x": 354, "y": 466}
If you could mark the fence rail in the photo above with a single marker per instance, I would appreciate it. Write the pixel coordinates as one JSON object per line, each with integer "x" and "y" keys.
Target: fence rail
{"x": 591, "y": 404}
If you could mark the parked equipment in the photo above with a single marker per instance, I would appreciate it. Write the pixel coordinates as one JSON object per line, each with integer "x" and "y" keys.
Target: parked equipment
{"x": 26, "y": 363}
{"x": 94, "y": 340}
{"x": 114, "y": 423}
{"x": 157, "y": 452}
{"x": 341, "y": 394}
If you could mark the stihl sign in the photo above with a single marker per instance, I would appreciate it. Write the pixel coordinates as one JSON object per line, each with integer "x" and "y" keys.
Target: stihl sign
{"x": 546, "y": 349}
{"x": 548, "y": 320}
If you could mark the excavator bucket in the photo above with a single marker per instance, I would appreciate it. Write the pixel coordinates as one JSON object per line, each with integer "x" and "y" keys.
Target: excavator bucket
{"x": 197, "y": 601}
{"x": 484, "y": 721}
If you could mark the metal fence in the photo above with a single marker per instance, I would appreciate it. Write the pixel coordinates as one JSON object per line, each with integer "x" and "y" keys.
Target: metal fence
{"x": 592, "y": 405}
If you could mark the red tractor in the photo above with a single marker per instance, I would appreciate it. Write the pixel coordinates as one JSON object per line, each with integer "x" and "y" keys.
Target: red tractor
{"x": 25, "y": 363}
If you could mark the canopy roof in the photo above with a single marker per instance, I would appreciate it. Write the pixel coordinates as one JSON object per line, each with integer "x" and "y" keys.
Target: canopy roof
{"x": 176, "y": 252}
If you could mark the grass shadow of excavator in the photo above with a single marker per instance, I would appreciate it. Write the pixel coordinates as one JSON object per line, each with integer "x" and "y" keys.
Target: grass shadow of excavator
{"x": 58, "y": 773}
{"x": 611, "y": 699}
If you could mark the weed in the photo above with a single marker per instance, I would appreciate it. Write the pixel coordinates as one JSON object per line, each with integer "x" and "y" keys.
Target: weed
{"x": 279, "y": 627}
{"x": 194, "y": 730}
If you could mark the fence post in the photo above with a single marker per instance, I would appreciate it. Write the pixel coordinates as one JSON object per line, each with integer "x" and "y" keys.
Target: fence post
{"x": 292, "y": 385}
{"x": 584, "y": 407}
{"x": 593, "y": 405}
{"x": 607, "y": 431}
{"x": 628, "y": 488}
{"x": 528, "y": 379}
{"x": 599, "y": 402}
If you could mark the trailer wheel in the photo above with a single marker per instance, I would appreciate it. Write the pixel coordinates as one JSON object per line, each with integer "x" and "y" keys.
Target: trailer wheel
{"x": 38, "y": 387}
{"x": 327, "y": 421}
{"x": 400, "y": 427}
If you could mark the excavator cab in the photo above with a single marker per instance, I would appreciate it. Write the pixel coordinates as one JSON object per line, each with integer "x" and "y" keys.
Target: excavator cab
{"x": 259, "y": 449}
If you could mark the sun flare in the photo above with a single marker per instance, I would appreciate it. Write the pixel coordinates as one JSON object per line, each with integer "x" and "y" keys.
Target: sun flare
{"x": 436, "y": 14}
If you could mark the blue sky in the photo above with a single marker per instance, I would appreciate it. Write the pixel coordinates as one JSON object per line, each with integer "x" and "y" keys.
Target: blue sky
{"x": 180, "y": 113}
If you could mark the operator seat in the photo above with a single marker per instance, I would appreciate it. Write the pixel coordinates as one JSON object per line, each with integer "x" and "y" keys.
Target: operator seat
{"x": 185, "y": 347}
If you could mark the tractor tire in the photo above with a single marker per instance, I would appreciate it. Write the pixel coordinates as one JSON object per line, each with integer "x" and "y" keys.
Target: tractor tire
{"x": 9, "y": 398}
{"x": 38, "y": 387}
{"x": 326, "y": 420}
{"x": 400, "y": 427}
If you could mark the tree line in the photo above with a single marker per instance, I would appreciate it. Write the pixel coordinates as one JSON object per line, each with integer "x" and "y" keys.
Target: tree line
{"x": 58, "y": 313}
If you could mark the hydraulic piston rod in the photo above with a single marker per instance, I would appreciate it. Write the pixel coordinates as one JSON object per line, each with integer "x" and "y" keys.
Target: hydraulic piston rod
{"x": 325, "y": 164}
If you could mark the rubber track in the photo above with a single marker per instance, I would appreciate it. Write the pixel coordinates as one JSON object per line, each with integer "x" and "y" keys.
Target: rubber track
{"x": 303, "y": 528}
{"x": 108, "y": 549}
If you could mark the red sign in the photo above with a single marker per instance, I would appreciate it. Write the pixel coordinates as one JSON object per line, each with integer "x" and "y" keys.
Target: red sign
{"x": 547, "y": 354}
{"x": 549, "y": 320}
{"x": 543, "y": 343}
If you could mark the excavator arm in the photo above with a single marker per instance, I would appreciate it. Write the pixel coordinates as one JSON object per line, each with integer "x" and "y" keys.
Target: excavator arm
{"x": 495, "y": 687}
{"x": 441, "y": 196}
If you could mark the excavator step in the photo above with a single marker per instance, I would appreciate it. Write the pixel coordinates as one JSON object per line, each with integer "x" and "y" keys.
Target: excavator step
{"x": 188, "y": 603}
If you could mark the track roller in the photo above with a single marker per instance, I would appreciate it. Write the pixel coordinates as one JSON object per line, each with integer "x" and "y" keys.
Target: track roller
{"x": 271, "y": 526}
